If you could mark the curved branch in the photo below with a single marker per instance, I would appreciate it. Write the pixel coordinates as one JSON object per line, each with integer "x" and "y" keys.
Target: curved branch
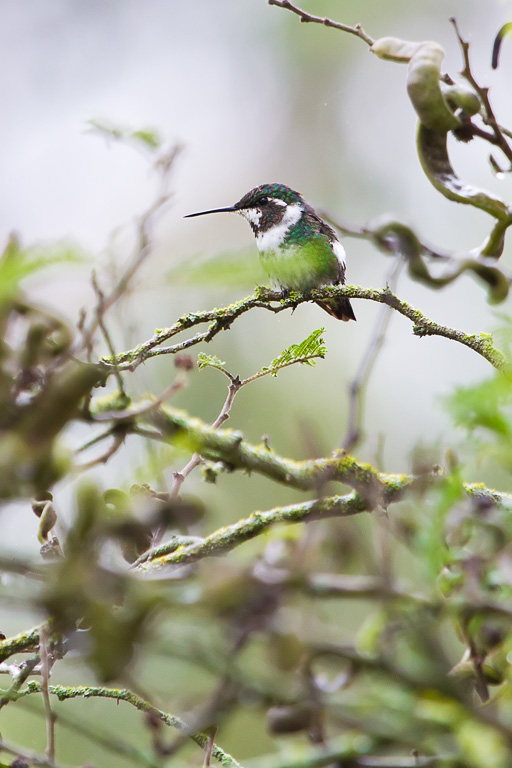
{"x": 123, "y": 694}
{"x": 221, "y": 319}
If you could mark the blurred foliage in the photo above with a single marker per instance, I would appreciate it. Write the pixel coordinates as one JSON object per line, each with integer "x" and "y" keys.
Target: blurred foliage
{"x": 377, "y": 639}
{"x": 144, "y": 138}
{"x": 239, "y": 268}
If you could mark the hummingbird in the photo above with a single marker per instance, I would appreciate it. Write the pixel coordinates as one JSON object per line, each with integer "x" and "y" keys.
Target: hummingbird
{"x": 298, "y": 250}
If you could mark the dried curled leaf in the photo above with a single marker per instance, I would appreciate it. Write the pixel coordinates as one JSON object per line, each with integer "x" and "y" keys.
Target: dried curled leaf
{"x": 432, "y": 99}
{"x": 424, "y": 89}
{"x": 394, "y": 49}
{"x": 505, "y": 30}
{"x": 47, "y": 522}
{"x": 461, "y": 97}
{"x": 433, "y": 154}
{"x": 395, "y": 236}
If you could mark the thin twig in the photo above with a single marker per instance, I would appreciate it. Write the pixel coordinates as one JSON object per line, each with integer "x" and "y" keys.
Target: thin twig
{"x": 26, "y": 669}
{"x": 235, "y": 385}
{"x": 143, "y": 249}
{"x": 100, "y": 316}
{"x": 27, "y": 757}
{"x": 196, "y": 459}
{"x": 118, "y": 441}
{"x": 357, "y": 30}
{"x": 358, "y": 385}
{"x": 110, "y": 432}
{"x": 129, "y": 414}
{"x": 209, "y": 747}
{"x": 489, "y": 117}
{"x": 144, "y": 244}
{"x": 45, "y": 678}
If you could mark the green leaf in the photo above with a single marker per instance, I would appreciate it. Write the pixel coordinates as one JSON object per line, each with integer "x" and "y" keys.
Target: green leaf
{"x": 150, "y": 138}
{"x": 203, "y": 361}
{"x": 306, "y": 353}
{"x": 17, "y": 263}
{"x": 485, "y": 405}
{"x": 105, "y": 130}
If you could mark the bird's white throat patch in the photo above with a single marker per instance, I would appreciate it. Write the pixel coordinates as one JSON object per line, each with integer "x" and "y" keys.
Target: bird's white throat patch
{"x": 252, "y": 215}
{"x": 273, "y": 238}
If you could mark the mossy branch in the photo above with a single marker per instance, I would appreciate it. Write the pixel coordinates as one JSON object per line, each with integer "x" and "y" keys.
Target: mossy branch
{"x": 22, "y": 643}
{"x": 227, "y": 538}
{"x": 229, "y": 447}
{"x": 221, "y": 319}
{"x": 123, "y": 694}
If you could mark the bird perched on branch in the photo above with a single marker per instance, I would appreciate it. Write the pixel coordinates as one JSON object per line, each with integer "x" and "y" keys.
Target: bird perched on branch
{"x": 298, "y": 250}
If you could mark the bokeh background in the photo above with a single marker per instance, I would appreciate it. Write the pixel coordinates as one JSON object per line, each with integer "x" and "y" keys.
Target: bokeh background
{"x": 253, "y": 96}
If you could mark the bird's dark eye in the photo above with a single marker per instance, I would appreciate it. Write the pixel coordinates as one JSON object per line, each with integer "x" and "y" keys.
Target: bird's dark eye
{"x": 263, "y": 200}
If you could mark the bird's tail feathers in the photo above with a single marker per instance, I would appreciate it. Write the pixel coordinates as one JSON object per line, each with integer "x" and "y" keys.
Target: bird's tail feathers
{"x": 339, "y": 308}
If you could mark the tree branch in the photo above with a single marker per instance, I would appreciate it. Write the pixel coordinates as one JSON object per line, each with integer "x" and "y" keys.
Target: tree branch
{"x": 489, "y": 117}
{"x": 357, "y": 30}
{"x": 123, "y": 694}
{"x": 228, "y": 446}
{"x": 25, "y": 642}
{"x": 221, "y": 319}
{"x": 228, "y": 537}
{"x": 231, "y": 536}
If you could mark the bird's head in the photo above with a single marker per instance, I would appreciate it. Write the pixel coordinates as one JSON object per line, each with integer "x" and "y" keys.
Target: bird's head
{"x": 265, "y": 207}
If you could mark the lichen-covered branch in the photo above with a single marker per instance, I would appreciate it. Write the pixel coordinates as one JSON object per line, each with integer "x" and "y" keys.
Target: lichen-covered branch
{"x": 229, "y": 447}
{"x": 21, "y": 643}
{"x": 227, "y": 538}
{"x": 481, "y": 343}
{"x": 63, "y": 693}
{"x": 221, "y": 319}
{"x": 231, "y": 536}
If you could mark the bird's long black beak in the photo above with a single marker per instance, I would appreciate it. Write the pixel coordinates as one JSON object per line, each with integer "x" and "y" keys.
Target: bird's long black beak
{"x": 214, "y": 210}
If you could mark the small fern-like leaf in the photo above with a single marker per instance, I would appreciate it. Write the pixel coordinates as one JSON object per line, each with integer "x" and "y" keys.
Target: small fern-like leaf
{"x": 306, "y": 353}
{"x": 203, "y": 361}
